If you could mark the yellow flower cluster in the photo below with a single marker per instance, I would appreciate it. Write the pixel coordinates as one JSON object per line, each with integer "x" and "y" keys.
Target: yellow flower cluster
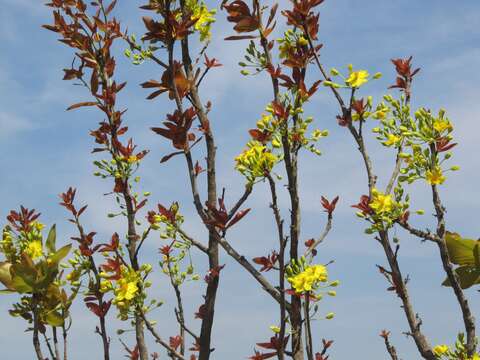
{"x": 309, "y": 278}
{"x": 34, "y": 249}
{"x": 256, "y": 161}
{"x": 392, "y": 140}
{"x": 130, "y": 159}
{"x": 6, "y": 245}
{"x": 204, "y": 18}
{"x": 435, "y": 176}
{"x": 381, "y": 203}
{"x": 125, "y": 289}
{"x": 439, "y": 350}
{"x": 442, "y": 125}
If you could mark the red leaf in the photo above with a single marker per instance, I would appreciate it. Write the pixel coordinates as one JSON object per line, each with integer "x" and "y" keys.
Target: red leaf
{"x": 240, "y": 37}
{"x": 110, "y": 7}
{"x": 238, "y": 216}
{"x": 169, "y": 156}
{"x": 94, "y": 308}
{"x": 86, "y": 103}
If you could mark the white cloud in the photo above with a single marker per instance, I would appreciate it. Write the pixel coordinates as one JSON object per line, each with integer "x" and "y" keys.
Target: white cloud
{"x": 11, "y": 124}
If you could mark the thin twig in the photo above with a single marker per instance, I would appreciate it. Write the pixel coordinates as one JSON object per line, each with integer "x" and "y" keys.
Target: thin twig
{"x": 159, "y": 339}
{"x": 390, "y": 348}
{"x": 322, "y": 236}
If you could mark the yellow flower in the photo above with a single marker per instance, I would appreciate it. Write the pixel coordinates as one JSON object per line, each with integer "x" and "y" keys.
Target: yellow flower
{"x": 204, "y": 18}
{"x": 435, "y": 176}
{"x": 439, "y": 350}
{"x": 255, "y": 161}
{"x": 126, "y": 290}
{"x": 441, "y": 125}
{"x": 34, "y": 249}
{"x": 38, "y": 226}
{"x": 357, "y": 78}
{"x": 126, "y": 287}
{"x": 381, "y": 203}
{"x": 302, "y": 41}
{"x": 392, "y": 139}
{"x": 105, "y": 286}
{"x": 275, "y": 329}
{"x": 307, "y": 279}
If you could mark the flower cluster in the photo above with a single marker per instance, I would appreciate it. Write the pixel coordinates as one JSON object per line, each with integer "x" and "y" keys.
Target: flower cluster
{"x": 203, "y": 17}
{"x": 256, "y": 161}
{"x": 454, "y": 353}
{"x": 381, "y": 209}
{"x": 126, "y": 284}
{"x": 421, "y": 139}
{"x": 23, "y": 236}
{"x": 310, "y": 281}
{"x": 31, "y": 269}
{"x": 354, "y": 80}
{"x": 309, "y": 278}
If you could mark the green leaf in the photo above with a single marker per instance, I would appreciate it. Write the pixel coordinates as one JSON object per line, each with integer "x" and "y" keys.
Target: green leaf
{"x": 60, "y": 254}
{"x": 462, "y": 251}
{"x": 19, "y": 284}
{"x": 467, "y": 275}
{"x": 25, "y": 270}
{"x": 53, "y": 318}
{"x": 51, "y": 239}
{"x": 7, "y": 291}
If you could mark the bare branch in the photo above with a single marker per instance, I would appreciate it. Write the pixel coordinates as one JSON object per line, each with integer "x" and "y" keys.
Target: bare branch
{"x": 159, "y": 339}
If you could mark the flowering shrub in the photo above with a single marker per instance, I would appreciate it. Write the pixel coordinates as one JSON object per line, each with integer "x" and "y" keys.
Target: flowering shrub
{"x": 113, "y": 272}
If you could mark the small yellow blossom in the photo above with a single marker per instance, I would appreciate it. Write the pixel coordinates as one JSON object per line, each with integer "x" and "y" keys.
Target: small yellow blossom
{"x": 131, "y": 159}
{"x": 441, "y": 125}
{"x": 105, "y": 286}
{"x": 38, "y": 226}
{"x": 275, "y": 329}
{"x": 435, "y": 176}
{"x": 34, "y": 249}
{"x": 381, "y": 203}
{"x": 126, "y": 290}
{"x": 439, "y": 350}
{"x": 357, "y": 78}
{"x": 392, "y": 140}
{"x": 302, "y": 41}
{"x": 307, "y": 279}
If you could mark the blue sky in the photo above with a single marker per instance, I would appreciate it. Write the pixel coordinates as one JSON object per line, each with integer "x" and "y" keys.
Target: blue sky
{"x": 44, "y": 149}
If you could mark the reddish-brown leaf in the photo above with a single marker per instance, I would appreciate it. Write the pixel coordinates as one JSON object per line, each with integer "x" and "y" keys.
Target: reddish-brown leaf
{"x": 78, "y": 105}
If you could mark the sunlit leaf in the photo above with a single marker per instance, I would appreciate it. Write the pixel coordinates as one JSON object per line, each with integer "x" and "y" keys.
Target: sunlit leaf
{"x": 19, "y": 284}
{"x": 5, "y": 275}
{"x": 60, "y": 254}
{"x": 53, "y": 318}
{"x": 51, "y": 239}
{"x": 461, "y": 250}
{"x": 467, "y": 275}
